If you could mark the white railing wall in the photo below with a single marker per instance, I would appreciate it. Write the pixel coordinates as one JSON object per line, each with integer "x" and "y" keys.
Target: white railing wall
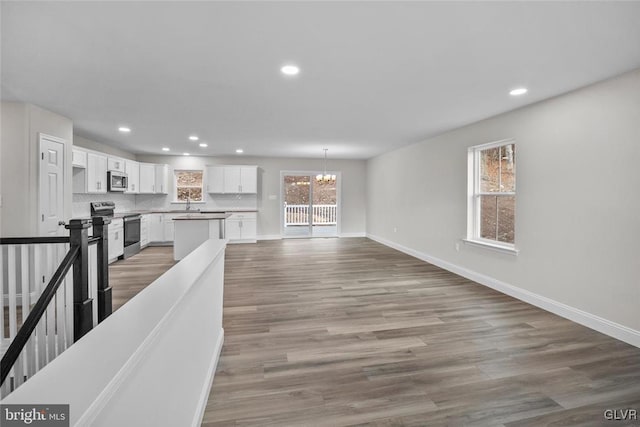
{"x": 321, "y": 215}
{"x": 25, "y": 270}
{"x": 104, "y": 377}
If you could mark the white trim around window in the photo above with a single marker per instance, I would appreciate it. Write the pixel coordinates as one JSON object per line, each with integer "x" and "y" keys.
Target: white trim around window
{"x": 474, "y": 195}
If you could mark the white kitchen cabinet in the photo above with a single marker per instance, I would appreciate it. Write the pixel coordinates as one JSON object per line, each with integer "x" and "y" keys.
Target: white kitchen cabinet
{"x": 96, "y": 173}
{"x": 169, "y": 226}
{"x": 241, "y": 227}
{"x": 156, "y": 228}
{"x": 79, "y": 158}
{"x": 215, "y": 179}
{"x": 115, "y": 164}
{"x": 144, "y": 230}
{"x": 132, "y": 169}
{"x": 162, "y": 179}
{"x": 248, "y": 179}
{"x": 232, "y": 179}
{"x": 116, "y": 239}
{"x": 147, "y": 177}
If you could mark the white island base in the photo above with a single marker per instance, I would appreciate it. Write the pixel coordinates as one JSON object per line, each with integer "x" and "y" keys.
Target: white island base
{"x": 193, "y": 230}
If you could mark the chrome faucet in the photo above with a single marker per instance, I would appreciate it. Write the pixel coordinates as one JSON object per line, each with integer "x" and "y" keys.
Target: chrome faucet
{"x": 188, "y": 203}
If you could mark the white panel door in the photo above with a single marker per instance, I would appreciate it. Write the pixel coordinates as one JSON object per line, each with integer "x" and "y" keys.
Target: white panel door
{"x": 51, "y": 186}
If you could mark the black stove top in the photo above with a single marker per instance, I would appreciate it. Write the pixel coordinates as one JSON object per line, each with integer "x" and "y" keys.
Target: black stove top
{"x": 102, "y": 208}
{"x": 107, "y": 209}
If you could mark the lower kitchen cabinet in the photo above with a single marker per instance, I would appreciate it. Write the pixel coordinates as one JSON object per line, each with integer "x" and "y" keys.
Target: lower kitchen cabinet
{"x": 116, "y": 239}
{"x": 241, "y": 227}
{"x": 156, "y": 228}
{"x": 144, "y": 230}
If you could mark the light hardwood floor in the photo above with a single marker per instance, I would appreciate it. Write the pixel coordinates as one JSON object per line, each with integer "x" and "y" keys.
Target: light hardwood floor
{"x": 347, "y": 331}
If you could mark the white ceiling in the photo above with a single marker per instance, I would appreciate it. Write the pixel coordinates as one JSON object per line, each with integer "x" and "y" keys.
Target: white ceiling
{"x": 375, "y": 75}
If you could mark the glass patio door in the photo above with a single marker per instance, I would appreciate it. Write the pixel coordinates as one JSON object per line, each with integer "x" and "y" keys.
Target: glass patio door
{"x": 310, "y": 206}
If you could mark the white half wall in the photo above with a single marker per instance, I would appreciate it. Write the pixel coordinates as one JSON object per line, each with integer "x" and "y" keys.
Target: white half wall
{"x": 577, "y": 209}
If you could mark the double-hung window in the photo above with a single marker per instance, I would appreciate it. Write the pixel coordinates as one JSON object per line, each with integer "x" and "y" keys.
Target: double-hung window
{"x": 188, "y": 185}
{"x": 492, "y": 195}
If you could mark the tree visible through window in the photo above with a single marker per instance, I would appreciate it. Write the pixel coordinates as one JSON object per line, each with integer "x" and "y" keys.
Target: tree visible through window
{"x": 188, "y": 185}
{"x": 494, "y": 193}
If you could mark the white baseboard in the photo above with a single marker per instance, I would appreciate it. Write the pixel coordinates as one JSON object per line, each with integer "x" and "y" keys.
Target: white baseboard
{"x": 358, "y": 234}
{"x": 211, "y": 372}
{"x": 607, "y": 327}
{"x": 270, "y": 237}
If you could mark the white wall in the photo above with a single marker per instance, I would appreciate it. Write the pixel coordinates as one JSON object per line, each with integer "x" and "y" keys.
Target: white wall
{"x": 578, "y": 201}
{"x": 353, "y": 187}
{"x": 21, "y": 124}
{"x": 103, "y": 148}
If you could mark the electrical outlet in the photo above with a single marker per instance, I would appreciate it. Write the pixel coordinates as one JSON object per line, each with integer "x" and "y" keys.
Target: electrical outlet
{"x": 395, "y": 229}
{"x": 457, "y": 246}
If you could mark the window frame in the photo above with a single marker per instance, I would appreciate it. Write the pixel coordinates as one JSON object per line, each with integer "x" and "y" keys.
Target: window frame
{"x": 474, "y": 194}
{"x": 176, "y": 186}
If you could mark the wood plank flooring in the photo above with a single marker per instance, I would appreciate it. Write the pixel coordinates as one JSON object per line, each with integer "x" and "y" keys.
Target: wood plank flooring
{"x": 128, "y": 277}
{"x": 335, "y": 332}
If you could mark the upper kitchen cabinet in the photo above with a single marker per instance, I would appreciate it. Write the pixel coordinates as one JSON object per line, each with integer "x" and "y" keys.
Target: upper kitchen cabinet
{"x": 116, "y": 164}
{"x": 132, "y": 169}
{"x": 249, "y": 179}
{"x": 232, "y": 179}
{"x": 147, "y": 178}
{"x": 96, "y": 173}
{"x": 215, "y": 179}
{"x": 162, "y": 179}
{"x": 79, "y": 158}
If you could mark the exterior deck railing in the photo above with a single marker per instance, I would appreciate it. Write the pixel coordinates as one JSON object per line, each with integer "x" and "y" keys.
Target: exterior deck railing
{"x": 320, "y": 215}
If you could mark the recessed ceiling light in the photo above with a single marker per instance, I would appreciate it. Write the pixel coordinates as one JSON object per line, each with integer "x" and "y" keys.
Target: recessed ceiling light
{"x": 518, "y": 91}
{"x": 203, "y": 145}
{"x": 124, "y": 129}
{"x": 290, "y": 70}
{"x": 239, "y": 151}
{"x": 165, "y": 148}
{"x": 193, "y": 137}
{"x": 185, "y": 154}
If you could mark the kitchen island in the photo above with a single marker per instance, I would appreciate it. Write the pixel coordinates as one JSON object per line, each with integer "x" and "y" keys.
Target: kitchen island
{"x": 192, "y": 230}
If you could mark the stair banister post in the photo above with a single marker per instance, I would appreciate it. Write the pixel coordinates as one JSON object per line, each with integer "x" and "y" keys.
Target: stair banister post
{"x": 101, "y": 230}
{"x": 82, "y": 304}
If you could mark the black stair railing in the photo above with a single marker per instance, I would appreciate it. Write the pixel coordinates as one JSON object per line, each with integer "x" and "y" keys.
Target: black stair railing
{"x": 78, "y": 258}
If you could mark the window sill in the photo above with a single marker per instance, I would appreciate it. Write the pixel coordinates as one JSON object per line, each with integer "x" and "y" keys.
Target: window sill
{"x": 492, "y": 246}
{"x": 180, "y": 202}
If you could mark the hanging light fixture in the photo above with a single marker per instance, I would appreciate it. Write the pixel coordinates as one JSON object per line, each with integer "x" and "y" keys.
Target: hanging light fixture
{"x": 325, "y": 177}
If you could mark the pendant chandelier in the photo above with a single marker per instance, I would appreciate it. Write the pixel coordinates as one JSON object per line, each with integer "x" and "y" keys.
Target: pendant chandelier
{"x": 325, "y": 177}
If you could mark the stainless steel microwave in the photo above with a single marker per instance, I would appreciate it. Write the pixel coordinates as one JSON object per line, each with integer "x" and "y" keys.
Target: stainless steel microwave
{"x": 117, "y": 181}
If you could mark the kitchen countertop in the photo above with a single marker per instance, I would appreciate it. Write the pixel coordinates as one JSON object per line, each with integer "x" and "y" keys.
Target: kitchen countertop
{"x": 119, "y": 215}
{"x": 202, "y": 217}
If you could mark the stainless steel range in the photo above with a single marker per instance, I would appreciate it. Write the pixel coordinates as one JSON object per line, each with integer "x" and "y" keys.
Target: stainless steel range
{"x": 131, "y": 225}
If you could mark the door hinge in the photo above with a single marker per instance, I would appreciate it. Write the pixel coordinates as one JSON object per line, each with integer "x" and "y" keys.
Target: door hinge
{"x": 42, "y": 155}
{"x": 42, "y": 217}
